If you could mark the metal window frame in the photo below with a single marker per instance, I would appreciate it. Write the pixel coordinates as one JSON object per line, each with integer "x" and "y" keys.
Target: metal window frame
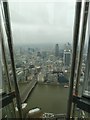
{"x": 87, "y": 72}
{"x": 75, "y": 45}
{"x": 7, "y": 26}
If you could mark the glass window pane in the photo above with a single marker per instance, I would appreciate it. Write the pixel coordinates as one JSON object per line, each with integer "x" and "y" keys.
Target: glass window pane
{"x": 42, "y": 35}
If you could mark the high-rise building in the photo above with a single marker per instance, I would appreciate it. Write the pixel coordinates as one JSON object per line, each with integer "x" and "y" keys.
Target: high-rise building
{"x": 57, "y": 50}
{"x": 38, "y": 54}
{"x": 67, "y": 46}
{"x": 67, "y": 58}
{"x": 61, "y": 53}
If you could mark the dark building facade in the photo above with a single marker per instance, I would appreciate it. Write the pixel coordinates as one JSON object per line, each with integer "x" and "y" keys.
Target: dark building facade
{"x": 57, "y": 50}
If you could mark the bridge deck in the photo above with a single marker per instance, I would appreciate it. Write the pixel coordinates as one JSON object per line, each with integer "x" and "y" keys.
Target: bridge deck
{"x": 28, "y": 90}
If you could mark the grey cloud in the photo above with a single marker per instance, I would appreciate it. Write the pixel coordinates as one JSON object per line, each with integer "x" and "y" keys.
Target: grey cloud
{"x": 37, "y": 22}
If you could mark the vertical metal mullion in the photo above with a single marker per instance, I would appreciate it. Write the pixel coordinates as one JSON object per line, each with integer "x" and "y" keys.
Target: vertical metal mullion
{"x": 83, "y": 32}
{"x": 82, "y": 42}
{"x": 6, "y": 70}
{"x": 5, "y": 63}
{"x": 88, "y": 54}
{"x": 75, "y": 44}
{"x": 87, "y": 66}
{"x": 10, "y": 45}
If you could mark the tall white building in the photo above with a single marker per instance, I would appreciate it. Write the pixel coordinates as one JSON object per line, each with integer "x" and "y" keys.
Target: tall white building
{"x": 40, "y": 77}
{"x": 67, "y": 58}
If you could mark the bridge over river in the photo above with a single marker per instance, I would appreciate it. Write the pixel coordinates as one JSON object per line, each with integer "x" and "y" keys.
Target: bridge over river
{"x": 28, "y": 90}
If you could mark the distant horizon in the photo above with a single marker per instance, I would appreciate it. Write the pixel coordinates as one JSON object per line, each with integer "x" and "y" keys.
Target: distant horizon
{"x": 41, "y": 45}
{"x": 46, "y": 43}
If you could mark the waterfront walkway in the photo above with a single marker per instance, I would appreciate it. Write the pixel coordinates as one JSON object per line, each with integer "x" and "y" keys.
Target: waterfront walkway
{"x": 28, "y": 90}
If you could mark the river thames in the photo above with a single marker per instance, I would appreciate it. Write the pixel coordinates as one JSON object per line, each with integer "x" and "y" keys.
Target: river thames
{"x": 50, "y": 98}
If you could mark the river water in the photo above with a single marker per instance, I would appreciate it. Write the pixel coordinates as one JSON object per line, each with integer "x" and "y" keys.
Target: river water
{"x": 50, "y": 98}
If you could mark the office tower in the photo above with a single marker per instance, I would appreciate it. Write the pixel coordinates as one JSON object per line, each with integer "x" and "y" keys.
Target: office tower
{"x": 57, "y": 50}
{"x": 67, "y": 58}
{"x": 61, "y": 53}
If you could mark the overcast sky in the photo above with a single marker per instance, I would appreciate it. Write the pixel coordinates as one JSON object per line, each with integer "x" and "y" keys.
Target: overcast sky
{"x": 42, "y": 22}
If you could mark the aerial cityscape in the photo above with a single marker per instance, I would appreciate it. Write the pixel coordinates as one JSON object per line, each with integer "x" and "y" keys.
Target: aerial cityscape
{"x": 51, "y": 66}
{"x": 43, "y": 67}
{"x": 45, "y": 60}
